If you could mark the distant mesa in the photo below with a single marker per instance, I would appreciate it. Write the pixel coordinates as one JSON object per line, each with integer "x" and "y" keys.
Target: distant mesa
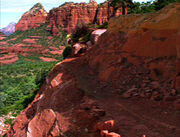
{"x": 10, "y": 29}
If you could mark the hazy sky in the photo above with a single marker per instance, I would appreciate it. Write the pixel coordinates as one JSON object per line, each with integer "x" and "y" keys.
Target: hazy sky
{"x": 12, "y": 10}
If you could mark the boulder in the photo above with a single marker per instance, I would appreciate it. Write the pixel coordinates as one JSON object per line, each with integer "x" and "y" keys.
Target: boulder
{"x": 105, "y": 133}
{"x": 107, "y": 125}
{"x": 112, "y": 134}
{"x": 96, "y": 34}
{"x": 79, "y": 48}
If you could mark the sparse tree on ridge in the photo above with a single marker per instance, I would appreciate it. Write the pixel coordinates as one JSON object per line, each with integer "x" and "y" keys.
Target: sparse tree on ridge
{"x": 159, "y": 4}
{"x": 121, "y": 3}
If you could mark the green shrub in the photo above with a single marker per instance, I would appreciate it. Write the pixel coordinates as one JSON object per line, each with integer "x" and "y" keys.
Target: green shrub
{"x": 149, "y": 6}
{"x": 85, "y": 38}
{"x": 67, "y": 51}
{"x": 103, "y": 26}
{"x": 8, "y": 121}
{"x": 159, "y": 4}
{"x": 81, "y": 32}
{"x": 41, "y": 76}
{"x": 140, "y": 8}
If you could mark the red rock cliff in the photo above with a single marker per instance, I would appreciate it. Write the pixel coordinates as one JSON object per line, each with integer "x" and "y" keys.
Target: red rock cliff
{"x": 71, "y": 14}
{"x": 33, "y": 18}
{"x": 85, "y": 96}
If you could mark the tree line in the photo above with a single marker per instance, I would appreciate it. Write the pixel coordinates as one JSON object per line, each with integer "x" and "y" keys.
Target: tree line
{"x": 138, "y": 8}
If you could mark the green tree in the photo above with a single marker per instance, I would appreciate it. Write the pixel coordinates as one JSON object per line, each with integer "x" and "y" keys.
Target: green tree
{"x": 121, "y": 3}
{"x": 144, "y": 7}
{"x": 159, "y": 4}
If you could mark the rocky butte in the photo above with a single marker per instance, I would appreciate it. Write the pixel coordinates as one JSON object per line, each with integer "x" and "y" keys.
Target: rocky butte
{"x": 68, "y": 16}
{"x": 33, "y": 18}
{"x": 136, "y": 58}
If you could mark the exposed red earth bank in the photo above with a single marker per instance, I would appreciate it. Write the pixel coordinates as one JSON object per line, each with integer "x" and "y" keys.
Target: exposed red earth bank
{"x": 126, "y": 85}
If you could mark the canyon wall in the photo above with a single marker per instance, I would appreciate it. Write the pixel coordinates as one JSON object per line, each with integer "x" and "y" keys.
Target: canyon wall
{"x": 70, "y": 15}
{"x": 67, "y": 16}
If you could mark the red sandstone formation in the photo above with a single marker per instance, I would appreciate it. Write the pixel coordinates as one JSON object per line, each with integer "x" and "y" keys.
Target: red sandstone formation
{"x": 104, "y": 12}
{"x": 2, "y": 36}
{"x": 96, "y": 34}
{"x": 30, "y": 41}
{"x": 9, "y": 54}
{"x": 84, "y": 93}
{"x": 70, "y": 15}
{"x": 33, "y": 18}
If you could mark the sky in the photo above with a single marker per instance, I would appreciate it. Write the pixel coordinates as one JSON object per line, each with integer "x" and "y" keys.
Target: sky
{"x": 12, "y": 10}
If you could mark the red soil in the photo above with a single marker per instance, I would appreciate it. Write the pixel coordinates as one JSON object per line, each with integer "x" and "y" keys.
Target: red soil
{"x": 8, "y": 59}
{"x": 1, "y": 37}
{"x": 47, "y": 59}
{"x": 30, "y": 41}
{"x": 113, "y": 81}
{"x": 28, "y": 50}
{"x": 3, "y": 43}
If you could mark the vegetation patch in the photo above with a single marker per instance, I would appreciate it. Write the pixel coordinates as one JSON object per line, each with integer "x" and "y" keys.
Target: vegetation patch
{"x": 81, "y": 34}
{"x": 149, "y": 7}
{"x": 19, "y": 83}
{"x": 67, "y": 51}
{"x": 103, "y": 26}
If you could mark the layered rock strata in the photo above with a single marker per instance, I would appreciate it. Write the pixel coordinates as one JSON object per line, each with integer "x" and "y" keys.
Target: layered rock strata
{"x": 33, "y": 18}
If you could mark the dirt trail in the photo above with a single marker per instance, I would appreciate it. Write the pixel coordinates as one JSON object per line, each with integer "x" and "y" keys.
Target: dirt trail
{"x": 133, "y": 117}
{"x": 136, "y": 117}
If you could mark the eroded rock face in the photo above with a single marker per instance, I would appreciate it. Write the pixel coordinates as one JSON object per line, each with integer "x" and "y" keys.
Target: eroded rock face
{"x": 70, "y": 15}
{"x": 33, "y": 18}
{"x": 84, "y": 92}
{"x": 104, "y": 13}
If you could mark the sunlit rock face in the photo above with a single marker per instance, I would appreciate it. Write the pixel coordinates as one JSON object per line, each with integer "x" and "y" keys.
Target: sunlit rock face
{"x": 69, "y": 15}
{"x": 33, "y": 18}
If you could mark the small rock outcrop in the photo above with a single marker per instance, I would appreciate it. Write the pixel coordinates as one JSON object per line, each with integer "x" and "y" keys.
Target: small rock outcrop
{"x": 2, "y": 36}
{"x": 96, "y": 34}
{"x": 33, "y": 18}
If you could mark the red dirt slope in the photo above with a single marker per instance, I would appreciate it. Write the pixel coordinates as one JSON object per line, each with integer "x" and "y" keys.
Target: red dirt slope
{"x": 120, "y": 79}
